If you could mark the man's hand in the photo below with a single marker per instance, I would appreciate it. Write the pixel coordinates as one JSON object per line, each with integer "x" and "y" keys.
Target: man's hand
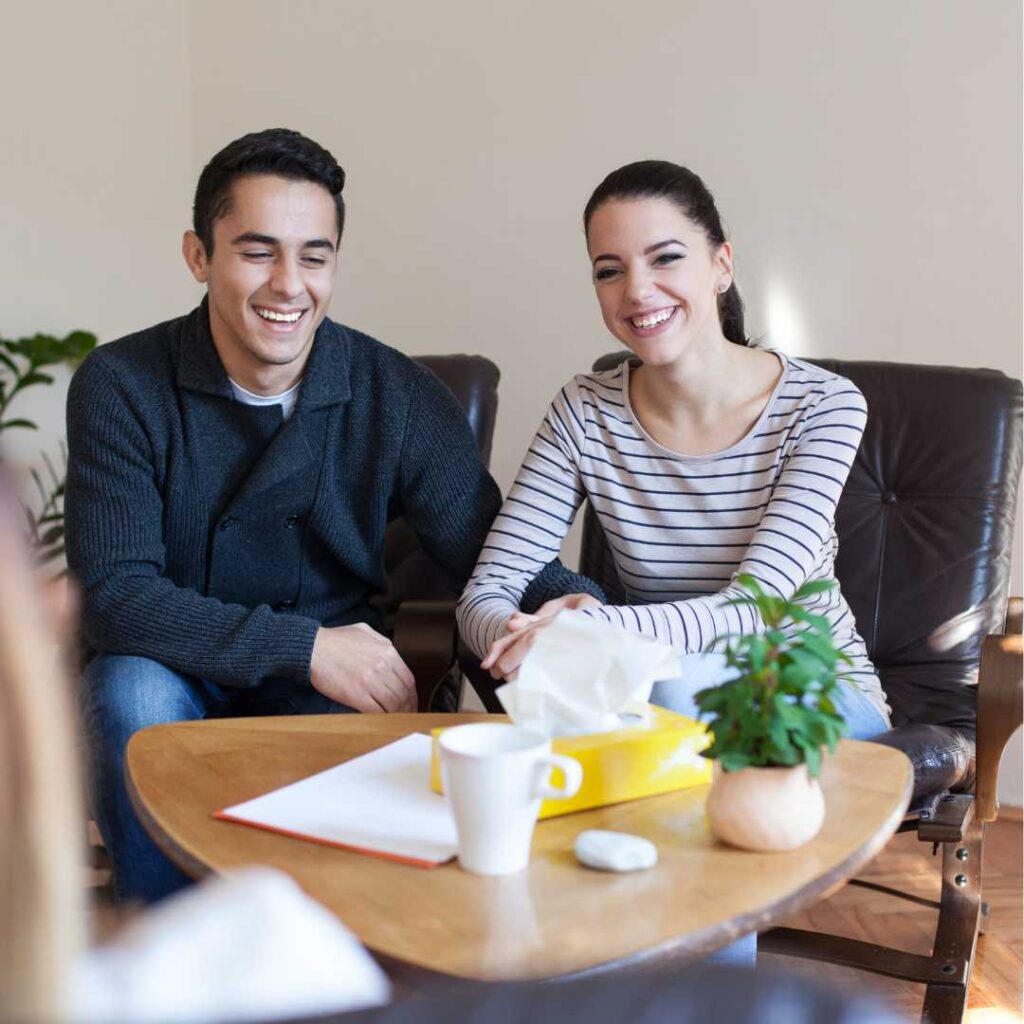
{"x": 355, "y": 665}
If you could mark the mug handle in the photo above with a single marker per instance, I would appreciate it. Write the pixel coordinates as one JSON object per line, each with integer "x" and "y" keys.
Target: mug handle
{"x": 569, "y": 767}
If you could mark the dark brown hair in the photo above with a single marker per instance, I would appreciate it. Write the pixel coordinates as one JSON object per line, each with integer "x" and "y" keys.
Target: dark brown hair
{"x": 278, "y": 151}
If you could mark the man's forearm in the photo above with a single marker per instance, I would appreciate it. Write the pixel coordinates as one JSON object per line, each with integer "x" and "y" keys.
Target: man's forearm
{"x": 228, "y": 644}
{"x": 555, "y": 580}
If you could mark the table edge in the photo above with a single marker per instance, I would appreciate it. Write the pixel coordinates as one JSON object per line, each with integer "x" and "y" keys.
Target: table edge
{"x": 697, "y": 944}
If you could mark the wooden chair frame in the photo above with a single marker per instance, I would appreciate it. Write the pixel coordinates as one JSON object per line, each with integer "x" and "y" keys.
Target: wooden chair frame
{"x": 957, "y": 825}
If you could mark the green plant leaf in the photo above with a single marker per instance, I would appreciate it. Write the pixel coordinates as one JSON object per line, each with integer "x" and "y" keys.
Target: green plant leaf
{"x": 778, "y": 710}
{"x": 47, "y": 350}
{"x": 11, "y": 424}
{"x": 812, "y": 587}
{"x": 39, "y": 349}
{"x": 821, "y": 648}
{"x": 734, "y": 761}
{"x": 817, "y": 622}
{"x": 77, "y": 345}
{"x": 798, "y": 674}
{"x": 750, "y": 584}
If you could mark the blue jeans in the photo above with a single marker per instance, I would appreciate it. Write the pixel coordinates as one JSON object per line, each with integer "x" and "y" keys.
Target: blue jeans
{"x": 863, "y": 720}
{"x": 122, "y": 694}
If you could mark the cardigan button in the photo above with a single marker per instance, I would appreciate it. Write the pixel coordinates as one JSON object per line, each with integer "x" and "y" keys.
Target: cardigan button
{"x": 290, "y": 522}
{"x": 284, "y": 606}
{"x": 227, "y": 522}
{"x": 889, "y": 498}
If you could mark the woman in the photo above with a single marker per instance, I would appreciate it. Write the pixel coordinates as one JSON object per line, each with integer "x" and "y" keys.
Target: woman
{"x": 709, "y": 459}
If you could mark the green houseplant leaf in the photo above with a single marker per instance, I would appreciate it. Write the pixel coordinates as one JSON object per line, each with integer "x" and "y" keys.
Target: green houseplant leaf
{"x": 778, "y": 711}
{"x": 21, "y": 361}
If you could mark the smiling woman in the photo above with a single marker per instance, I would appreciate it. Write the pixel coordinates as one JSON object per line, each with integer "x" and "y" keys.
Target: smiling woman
{"x": 705, "y": 458}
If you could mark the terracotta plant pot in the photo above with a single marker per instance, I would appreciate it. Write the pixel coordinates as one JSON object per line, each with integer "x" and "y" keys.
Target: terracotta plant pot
{"x": 765, "y": 809}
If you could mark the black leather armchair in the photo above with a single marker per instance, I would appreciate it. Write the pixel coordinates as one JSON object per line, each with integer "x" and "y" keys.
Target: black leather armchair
{"x": 925, "y": 529}
{"x": 418, "y": 608}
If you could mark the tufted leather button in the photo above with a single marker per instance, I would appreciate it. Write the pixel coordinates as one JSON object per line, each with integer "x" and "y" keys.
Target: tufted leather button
{"x": 227, "y": 522}
{"x": 888, "y": 498}
{"x": 284, "y": 606}
{"x": 290, "y": 522}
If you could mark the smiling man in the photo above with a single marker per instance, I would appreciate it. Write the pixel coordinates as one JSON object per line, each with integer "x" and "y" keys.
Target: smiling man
{"x": 230, "y": 477}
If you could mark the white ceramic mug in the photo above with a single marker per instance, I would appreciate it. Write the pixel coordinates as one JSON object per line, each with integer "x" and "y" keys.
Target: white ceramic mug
{"x": 495, "y": 777}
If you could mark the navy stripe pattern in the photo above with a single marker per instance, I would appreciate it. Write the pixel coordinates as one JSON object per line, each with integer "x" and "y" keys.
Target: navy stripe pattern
{"x": 680, "y": 527}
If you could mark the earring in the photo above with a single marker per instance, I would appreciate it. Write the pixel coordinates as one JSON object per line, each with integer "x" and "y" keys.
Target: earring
{"x": 723, "y": 287}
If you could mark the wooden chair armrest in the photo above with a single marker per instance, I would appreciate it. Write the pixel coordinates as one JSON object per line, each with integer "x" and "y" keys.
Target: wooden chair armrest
{"x": 425, "y": 636}
{"x": 1014, "y": 615}
{"x": 1000, "y": 705}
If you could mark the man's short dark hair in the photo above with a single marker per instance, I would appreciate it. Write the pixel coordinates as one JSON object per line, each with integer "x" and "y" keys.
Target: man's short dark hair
{"x": 279, "y": 151}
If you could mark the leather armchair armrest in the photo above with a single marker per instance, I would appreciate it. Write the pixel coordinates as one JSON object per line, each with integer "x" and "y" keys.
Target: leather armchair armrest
{"x": 425, "y": 637}
{"x": 1000, "y": 705}
{"x": 942, "y": 757}
{"x": 481, "y": 681}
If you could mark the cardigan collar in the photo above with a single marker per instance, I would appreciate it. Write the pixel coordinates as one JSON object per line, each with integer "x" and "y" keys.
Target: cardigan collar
{"x": 325, "y": 380}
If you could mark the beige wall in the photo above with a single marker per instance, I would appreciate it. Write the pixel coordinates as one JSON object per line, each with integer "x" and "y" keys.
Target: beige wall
{"x": 867, "y": 156}
{"x": 95, "y": 168}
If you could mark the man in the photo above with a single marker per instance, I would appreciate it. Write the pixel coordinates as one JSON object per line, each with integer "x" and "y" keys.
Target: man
{"x": 230, "y": 477}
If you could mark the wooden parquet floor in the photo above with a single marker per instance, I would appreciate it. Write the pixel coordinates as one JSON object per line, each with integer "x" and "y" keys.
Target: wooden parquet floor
{"x": 907, "y": 864}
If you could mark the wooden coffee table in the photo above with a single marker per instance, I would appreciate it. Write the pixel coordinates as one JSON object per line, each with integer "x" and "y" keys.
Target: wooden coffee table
{"x": 557, "y": 918}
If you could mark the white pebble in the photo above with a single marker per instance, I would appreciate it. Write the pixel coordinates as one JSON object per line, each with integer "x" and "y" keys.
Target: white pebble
{"x": 615, "y": 851}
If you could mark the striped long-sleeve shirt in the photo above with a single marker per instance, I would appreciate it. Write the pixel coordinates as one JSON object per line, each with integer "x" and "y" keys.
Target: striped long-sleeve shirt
{"x": 681, "y": 528}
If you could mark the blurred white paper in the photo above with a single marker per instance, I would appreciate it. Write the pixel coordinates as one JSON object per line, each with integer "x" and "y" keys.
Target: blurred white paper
{"x": 249, "y": 946}
{"x": 581, "y": 676}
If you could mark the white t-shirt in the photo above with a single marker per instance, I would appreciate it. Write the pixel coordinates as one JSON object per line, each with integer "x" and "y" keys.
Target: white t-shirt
{"x": 286, "y": 399}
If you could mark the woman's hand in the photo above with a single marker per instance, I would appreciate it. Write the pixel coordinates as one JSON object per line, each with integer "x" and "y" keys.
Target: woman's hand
{"x": 548, "y": 610}
{"x": 507, "y": 653}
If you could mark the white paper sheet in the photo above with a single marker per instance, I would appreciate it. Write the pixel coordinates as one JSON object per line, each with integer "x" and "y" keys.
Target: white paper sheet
{"x": 380, "y": 803}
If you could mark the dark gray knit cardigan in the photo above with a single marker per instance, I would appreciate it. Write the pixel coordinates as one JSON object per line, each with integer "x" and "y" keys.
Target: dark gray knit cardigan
{"x": 215, "y": 538}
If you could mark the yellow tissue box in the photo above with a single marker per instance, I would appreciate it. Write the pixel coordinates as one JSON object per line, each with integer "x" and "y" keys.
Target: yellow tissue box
{"x": 656, "y": 756}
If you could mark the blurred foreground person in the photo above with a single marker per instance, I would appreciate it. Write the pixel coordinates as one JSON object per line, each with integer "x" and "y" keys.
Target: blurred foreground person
{"x": 246, "y": 947}
{"x": 42, "y": 821}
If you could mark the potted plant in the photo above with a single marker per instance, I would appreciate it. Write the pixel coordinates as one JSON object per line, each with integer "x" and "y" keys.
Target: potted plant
{"x": 21, "y": 367}
{"x": 772, "y": 721}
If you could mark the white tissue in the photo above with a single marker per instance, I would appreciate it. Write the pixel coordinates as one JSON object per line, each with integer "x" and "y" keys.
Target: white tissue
{"x": 582, "y": 676}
